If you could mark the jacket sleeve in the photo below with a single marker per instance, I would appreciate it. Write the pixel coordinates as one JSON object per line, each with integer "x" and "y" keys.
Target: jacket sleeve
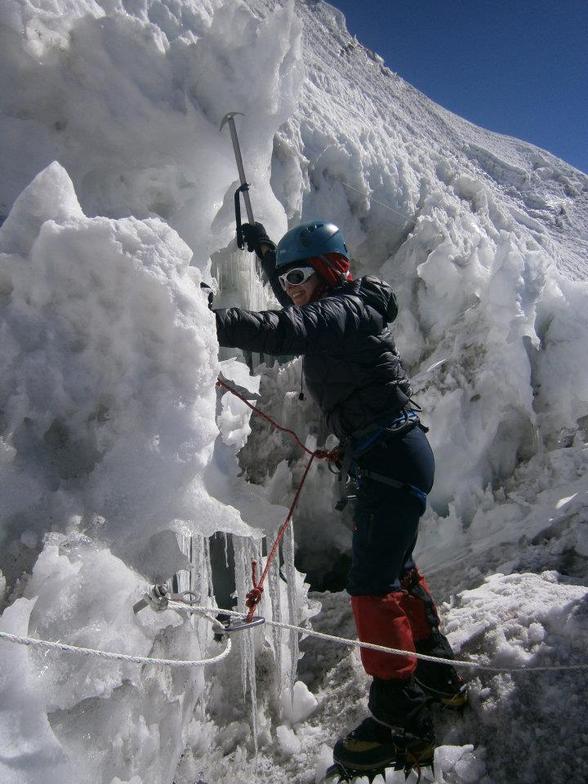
{"x": 268, "y": 263}
{"x": 310, "y": 329}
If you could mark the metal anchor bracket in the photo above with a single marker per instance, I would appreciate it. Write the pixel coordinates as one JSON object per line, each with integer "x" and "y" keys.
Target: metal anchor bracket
{"x": 231, "y": 624}
{"x": 157, "y": 598}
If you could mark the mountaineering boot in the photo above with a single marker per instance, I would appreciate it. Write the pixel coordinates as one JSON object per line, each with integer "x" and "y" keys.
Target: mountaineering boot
{"x": 398, "y": 734}
{"x": 440, "y": 682}
{"x": 372, "y": 747}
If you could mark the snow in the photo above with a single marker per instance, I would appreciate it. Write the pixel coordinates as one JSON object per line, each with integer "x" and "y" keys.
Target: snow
{"x": 300, "y": 704}
{"x": 119, "y": 460}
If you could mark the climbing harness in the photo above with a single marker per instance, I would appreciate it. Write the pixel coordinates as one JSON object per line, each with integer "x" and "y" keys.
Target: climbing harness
{"x": 360, "y": 442}
{"x": 362, "y": 473}
{"x": 411, "y": 583}
{"x": 400, "y": 424}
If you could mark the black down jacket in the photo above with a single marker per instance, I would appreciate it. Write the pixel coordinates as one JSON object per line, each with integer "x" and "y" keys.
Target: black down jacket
{"x": 351, "y": 366}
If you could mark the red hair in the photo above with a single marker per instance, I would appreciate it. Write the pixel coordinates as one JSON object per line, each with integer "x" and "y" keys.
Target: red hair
{"x": 332, "y": 268}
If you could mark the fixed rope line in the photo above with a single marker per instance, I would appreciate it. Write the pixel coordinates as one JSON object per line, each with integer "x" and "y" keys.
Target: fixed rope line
{"x": 34, "y": 642}
{"x": 398, "y": 651}
{"x": 110, "y": 655}
{"x": 254, "y": 596}
{"x": 376, "y": 201}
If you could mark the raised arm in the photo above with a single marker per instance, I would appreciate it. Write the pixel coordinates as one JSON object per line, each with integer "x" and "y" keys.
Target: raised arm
{"x": 311, "y": 329}
{"x": 259, "y": 243}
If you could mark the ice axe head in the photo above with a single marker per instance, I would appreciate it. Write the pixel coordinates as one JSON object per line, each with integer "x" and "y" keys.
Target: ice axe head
{"x": 229, "y": 116}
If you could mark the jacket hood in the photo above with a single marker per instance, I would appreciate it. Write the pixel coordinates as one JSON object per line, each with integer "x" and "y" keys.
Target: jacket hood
{"x": 379, "y": 295}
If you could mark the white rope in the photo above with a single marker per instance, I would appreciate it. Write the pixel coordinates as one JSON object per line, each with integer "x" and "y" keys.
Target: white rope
{"x": 36, "y": 643}
{"x": 424, "y": 657}
{"x": 398, "y": 651}
{"x": 376, "y": 201}
{"x": 180, "y": 605}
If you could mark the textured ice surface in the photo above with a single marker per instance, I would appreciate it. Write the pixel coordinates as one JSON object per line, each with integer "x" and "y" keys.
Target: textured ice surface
{"x": 117, "y": 194}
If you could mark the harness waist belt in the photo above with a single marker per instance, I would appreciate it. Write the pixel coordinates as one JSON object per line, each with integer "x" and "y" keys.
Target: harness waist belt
{"x": 362, "y": 440}
{"x": 367, "y": 436}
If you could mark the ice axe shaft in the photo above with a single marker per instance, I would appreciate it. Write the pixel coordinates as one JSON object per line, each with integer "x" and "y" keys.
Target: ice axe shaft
{"x": 229, "y": 119}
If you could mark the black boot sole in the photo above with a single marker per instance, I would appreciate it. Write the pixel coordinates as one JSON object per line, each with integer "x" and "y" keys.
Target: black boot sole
{"x": 400, "y": 759}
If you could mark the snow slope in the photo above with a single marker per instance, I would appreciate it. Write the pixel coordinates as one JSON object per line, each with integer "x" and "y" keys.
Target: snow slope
{"x": 117, "y": 199}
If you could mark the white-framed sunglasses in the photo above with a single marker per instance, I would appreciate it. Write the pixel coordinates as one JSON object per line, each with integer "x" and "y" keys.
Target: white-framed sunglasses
{"x": 295, "y": 276}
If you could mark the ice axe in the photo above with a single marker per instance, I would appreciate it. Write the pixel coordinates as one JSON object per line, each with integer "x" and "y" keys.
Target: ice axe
{"x": 229, "y": 119}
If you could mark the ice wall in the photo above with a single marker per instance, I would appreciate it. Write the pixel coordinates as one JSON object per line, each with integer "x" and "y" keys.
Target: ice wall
{"x": 109, "y": 373}
{"x": 129, "y": 98}
{"x": 108, "y": 434}
{"x": 110, "y": 445}
{"x": 110, "y": 448}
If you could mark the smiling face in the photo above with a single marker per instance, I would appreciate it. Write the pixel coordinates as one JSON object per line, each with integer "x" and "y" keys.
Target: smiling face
{"x": 302, "y": 293}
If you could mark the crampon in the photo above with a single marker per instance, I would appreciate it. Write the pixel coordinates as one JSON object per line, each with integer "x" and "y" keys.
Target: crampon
{"x": 339, "y": 774}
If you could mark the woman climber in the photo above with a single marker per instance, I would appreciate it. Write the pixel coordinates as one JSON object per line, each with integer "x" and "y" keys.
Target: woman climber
{"x": 353, "y": 371}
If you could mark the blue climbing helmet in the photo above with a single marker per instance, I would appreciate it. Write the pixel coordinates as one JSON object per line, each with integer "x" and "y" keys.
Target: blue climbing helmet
{"x": 316, "y": 238}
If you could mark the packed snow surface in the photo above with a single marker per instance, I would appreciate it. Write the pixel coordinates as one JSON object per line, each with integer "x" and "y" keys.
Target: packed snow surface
{"x": 118, "y": 457}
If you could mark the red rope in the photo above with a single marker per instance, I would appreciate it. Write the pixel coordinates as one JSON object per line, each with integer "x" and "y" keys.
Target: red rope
{"x": 254, "y": 596}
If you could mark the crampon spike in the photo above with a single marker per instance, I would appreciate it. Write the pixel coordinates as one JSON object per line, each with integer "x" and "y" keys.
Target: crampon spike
{"x": 337, "y": 774}
{"x": 374, "y": 774}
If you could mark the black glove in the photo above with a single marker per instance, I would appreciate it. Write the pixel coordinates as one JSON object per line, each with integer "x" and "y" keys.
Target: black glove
{"x": 209, "y": 292}
{"x": 255, "y": 236}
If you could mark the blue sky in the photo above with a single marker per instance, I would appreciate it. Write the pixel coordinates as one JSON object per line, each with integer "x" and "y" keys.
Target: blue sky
{"x": 518, "y": 67}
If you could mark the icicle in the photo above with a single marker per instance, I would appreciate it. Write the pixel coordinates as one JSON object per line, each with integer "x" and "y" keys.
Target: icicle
{"x": 243, "y": 585}
{"x": 252, "y": 675}
{"x": 208, "y": 566}
{"x": 288, "y": 550}
{"x": 198, "y": 580}
{"x": 191, "y": 567}
{"x": 181, "y": 581}
{"x": 245, "y": 552}
{"x": 274, "y": 593}
{"x": 250, "y": 647}
{"x": 226, "y": 538}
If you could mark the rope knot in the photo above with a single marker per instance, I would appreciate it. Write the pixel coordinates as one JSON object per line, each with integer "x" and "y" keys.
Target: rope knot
{"x": 332, "y": 455}
{"x": 254, "y": 597}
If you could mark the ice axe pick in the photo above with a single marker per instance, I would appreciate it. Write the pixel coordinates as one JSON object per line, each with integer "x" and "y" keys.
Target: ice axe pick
{"x": 229, "y": 119}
